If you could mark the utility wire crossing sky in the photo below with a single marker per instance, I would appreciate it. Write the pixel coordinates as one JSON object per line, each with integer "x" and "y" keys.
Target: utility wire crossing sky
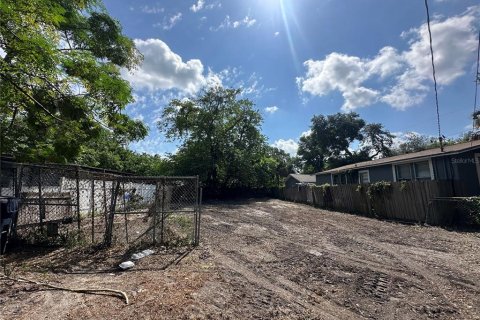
{"x": 295, "y": 59}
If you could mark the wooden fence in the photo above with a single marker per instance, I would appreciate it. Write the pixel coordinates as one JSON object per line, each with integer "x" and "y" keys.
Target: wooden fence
{"x": 406, "y": 201}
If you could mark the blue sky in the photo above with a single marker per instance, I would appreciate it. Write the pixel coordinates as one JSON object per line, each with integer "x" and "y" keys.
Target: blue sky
{"x": 296, "y": 59}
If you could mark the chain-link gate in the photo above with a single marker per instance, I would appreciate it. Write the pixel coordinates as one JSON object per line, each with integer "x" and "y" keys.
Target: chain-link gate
{"x": 79, "y": 205}
{"x": 163, "y": 210}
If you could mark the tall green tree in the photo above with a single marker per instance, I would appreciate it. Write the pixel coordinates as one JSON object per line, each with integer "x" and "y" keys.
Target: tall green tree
{"x": 107, "y": 152}
{"x": 284, "y": 164}
{"x": 376, "y": 140}
{"x": 414, "y": 142}
{"x": 329, "y": 143}
{"x": 330, "y": 138}
{"x": 60, "y": 81}
{"x": 220, "y": 137}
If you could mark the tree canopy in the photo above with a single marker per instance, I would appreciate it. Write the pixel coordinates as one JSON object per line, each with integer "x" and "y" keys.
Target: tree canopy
{"x": 329, "y": 143}
{"x": 107, "y": 152}
{"x": 221, "y": 140}
{"x": 60, "y": 82}
{"x": 413, "y": 142}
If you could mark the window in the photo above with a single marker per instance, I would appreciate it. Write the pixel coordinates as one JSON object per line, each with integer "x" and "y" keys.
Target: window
{"x": 336, "y": 179}
{"x": 413, "y": 171}
{"x": 422, "y": 170}
{"x": 404, "y": 172}
{"x": 363, "y": 176}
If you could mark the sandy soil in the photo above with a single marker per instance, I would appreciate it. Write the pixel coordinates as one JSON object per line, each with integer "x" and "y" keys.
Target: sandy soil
{"x": 264, "y": 259}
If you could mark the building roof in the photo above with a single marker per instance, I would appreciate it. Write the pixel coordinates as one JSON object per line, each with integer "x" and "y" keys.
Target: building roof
{"x": 303, "y": 178}
{"x": 430, "y": 153}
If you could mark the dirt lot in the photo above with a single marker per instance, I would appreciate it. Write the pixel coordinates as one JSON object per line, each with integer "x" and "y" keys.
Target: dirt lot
{"x": 265, "y": 259}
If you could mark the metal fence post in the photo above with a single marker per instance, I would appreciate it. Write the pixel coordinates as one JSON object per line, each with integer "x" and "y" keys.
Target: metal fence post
{"x": 20, "y": 178}
{"x": 105, "y": 209}
{"x": 124, "y": 201}
{"x": 155, "y": 212}
{"x": 199, "y": 217}
{"x": 109, "y": 229}
{"x": 162, "y": 217}
{"x": 41, "y": 207}
{"x": 195, "y": 214}
{"x": 77, "y": 180}
{"x": 93, "y": 210}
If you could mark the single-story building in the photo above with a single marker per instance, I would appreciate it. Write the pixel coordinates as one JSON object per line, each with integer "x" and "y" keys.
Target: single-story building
{"x": 459, "y": 162}
{"x": 293, "y": 180}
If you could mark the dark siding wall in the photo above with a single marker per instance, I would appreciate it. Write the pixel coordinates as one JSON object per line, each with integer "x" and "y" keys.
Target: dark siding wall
{"x": 381, "y": 173}
{"x": 442, "y": 168}
{"x": 466, "y": 171}
{"x": 290, "y": 182}
{"x": 461, "y": 167}
{"x": 322, "y": 179}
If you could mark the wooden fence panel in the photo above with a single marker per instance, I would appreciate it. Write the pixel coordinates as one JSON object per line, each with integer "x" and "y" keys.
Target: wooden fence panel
{"x": 406, "y": 201}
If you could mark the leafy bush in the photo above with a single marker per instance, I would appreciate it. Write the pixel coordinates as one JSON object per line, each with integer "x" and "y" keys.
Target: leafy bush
{"x": 378, "y": 188}
{"x": 326, "y": 188}
{"x": 470, "y": 211}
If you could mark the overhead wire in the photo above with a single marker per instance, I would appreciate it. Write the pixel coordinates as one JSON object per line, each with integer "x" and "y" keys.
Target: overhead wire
{"x": 477, "y": 79}
{"x": 440, "y": 137}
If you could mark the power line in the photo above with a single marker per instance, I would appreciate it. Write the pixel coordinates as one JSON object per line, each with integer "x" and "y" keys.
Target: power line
{"x": 440, "y": 138}
{"x": 477, "y": 76}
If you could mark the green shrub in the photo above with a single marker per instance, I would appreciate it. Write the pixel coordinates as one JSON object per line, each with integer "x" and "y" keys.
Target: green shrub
{"x": 378, "y": 188}
{"x": 470, "y": 211}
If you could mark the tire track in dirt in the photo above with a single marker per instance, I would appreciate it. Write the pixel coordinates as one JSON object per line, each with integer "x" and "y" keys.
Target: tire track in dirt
{"x": 388, "y": 267}
{"x": 394, "y": 249}
{"x": 438, "y": 282}
{"x": 326, "y": 247}
{"x": 297, "y": 294}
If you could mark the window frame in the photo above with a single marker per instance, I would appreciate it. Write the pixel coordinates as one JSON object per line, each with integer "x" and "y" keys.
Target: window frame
{"x": 361, "y": 172}
{"x": 412, "y": 170}
{"x": 417, "y": 178}
{"x": 409, "y": 165}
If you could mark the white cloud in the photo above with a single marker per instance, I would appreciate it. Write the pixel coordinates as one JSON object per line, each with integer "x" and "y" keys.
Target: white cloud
{"x": 339, "y": 72}
{"x": 169, "y": 23}
{"x": 276, "y": 33}
{"x": 271, "y": 109}
{"x": 386, "y": 63}
{"x": 234, "y": 78}
{"x": 151, "y": 9}
{"x": 139, "y": 117}
{"x": 290, "y": 146}
{"x": 229, "y": 24}
{"x": 409, "y": 90}
{"x": 163, "y": 69}
{"x": 453, "y": 42}
{"x": 214, "y": 79}
{"x": 410, "y": 71}
{"x": 306, "y": 133}
{"x": 197, "y": 6}
{"x": 359, "y": 97}
{"x": 213, "y": 5}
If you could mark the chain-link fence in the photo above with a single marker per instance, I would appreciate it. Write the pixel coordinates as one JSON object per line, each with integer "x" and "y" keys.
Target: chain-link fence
{"x": 155, "y": 210}
{"x": 71, "y": 204}
{"x": 457, "y": 211}
{"x": 8, "y": 181}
